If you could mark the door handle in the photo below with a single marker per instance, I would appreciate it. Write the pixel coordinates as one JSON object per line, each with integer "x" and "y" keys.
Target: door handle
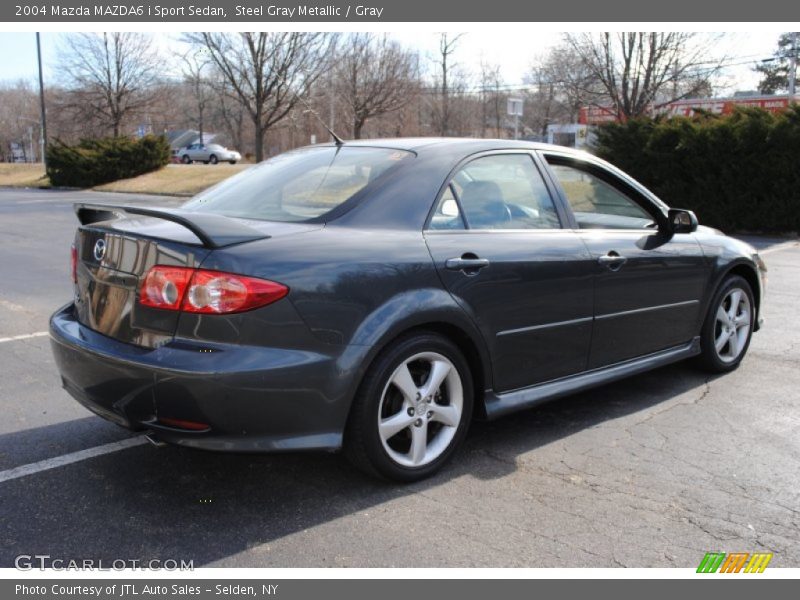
{"x": 612, "y": 261}
{"x": 469, "y": 263}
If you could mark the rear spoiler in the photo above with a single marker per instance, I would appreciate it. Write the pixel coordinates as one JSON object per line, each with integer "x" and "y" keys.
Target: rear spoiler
{"x": 213, "y": 231}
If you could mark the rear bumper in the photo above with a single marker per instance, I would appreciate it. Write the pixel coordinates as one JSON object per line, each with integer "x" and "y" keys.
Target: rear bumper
{"x": 253, "y": 399}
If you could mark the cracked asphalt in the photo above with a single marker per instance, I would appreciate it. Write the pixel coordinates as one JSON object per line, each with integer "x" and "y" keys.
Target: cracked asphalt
{"x": 653, "y": 471}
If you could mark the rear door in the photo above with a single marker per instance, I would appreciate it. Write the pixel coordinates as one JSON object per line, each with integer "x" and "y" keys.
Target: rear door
{"x": 648, "y": 284}
{"x": 499, "y": 248}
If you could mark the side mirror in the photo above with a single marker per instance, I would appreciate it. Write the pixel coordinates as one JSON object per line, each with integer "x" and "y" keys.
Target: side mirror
{"x": 682, "y": 221}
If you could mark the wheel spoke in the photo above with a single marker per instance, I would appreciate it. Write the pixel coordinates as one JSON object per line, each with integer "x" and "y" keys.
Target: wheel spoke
{"x": 448, "y": 415}
{"x": 742, "y": 320}
{"x": 439, "y": 370}
{"x": 395, "y": 424}
{"x": 405, "y": 383}
{"x": 736, "y": 298}
{"x": 721, "y": 341}
{"x": 722, "y": 316}
{"x": 419, "y": 443}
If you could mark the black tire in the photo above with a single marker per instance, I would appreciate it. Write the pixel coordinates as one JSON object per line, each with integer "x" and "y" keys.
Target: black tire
{"x": 363, "y": 445}
{"x": 233, "y": 162}
{"x": 186, "y": 160}
{"x": 213, "y": 159}
{"x": 709, "y": 358}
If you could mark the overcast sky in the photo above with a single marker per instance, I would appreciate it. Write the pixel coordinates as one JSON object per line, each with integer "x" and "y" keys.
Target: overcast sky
{"x": 513, "y": 53}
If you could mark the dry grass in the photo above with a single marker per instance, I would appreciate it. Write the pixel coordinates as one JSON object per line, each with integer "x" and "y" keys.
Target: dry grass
{"x": 22, "y": 175}
{"x": 178, "y": 180}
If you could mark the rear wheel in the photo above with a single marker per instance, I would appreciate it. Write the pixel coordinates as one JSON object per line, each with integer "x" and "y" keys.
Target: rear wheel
{"x": 728, "y": 327}
{"x": 412, "y": 410}
{"x": 186, "y": 160}
{"x": 213, "y": 159}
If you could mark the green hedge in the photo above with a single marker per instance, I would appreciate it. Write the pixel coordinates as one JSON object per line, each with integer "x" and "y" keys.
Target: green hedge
{"x": 92, "y": 162}
{"x": 739, "y": 172}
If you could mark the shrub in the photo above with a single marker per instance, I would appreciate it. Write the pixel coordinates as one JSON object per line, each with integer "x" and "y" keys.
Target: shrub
{"x": 738, "y": 172}
{"x": 91, "y": 162}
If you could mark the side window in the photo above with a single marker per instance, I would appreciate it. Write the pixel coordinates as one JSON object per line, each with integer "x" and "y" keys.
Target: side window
{"x": 447, "y": 214}
{"x": 597, "y": 204}
{"x": 503, "y": 191}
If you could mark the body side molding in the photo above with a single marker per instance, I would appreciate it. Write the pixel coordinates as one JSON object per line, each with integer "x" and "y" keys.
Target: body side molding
{"x": 498, "y": 405}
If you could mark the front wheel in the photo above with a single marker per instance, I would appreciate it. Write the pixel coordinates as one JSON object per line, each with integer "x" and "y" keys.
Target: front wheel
{"x": 186, "y": 160}
{"x": 728, "y": 327}
{"x": 412, "y": 410}
{"x": 213, "y": 159}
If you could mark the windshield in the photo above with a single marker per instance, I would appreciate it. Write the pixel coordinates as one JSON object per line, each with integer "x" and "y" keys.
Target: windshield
{"x": 300, "y": 185}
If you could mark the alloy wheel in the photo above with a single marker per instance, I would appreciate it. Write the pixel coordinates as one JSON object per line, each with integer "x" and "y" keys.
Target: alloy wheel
{"x": 732, "y": 326}
{"x": 420, "y": 409}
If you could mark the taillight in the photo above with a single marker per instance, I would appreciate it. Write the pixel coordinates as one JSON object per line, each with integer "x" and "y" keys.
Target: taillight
{"x": 164, "y": 287}
{"x": 74, "y": 263}
{"x": 206, "y": 292}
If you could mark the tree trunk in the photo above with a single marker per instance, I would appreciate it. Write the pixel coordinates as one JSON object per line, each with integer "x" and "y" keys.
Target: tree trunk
{"x": 259, "y": 136}
{"x": 358, "y": 125}
{"x": 258, "y": 143}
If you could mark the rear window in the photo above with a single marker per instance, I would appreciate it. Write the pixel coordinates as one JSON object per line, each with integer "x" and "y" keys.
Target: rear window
{"x": 301, "y": 185}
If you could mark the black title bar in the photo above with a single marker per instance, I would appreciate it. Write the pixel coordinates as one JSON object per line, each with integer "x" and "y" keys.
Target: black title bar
{"x": 384, "y": 11}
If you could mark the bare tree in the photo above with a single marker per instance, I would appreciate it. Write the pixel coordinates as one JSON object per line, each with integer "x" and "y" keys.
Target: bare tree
{"x": 638, "y": 70}
{"x": 109, "y": 75}
{"x": 445, "y": 84}
{"x": 195, "y": 67}
{"x": 492, "y": 98}
{"x": 230, "y": 113}
{"x": 375, "y": 76}
{"x": 19, "y": 119}
{"x": 267, "y": 71}
{"x": 560, "y": 84}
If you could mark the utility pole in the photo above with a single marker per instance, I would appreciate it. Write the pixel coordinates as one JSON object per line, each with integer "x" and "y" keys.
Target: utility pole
{"x": 43, "y": 128}
{"x": 793, "y": 67}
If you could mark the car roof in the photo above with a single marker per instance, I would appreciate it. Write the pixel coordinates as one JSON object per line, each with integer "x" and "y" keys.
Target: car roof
{"x": 454, "y": 145}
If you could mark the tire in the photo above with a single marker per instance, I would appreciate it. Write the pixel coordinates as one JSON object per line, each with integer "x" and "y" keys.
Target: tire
{"x": 186, "y": 160}
{"x": 727, "y": 331}
{"x": 213, "y": 159}
{"x": 443, "y": 419}
{"x": 233, "y": 162}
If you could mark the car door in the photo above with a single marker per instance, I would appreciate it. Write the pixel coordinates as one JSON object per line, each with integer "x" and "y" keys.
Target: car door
{"x": 648, "y": 282}
{"x": 497, "y": 241}
{"x": 200, "y": 152}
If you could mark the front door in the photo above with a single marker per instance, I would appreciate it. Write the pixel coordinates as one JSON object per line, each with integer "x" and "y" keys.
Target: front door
{"x": 499, "y": 248}
{"x": 648, "y": 283}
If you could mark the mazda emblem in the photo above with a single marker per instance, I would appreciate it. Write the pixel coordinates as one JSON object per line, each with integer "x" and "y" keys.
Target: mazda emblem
{"x": 99, "y": 250}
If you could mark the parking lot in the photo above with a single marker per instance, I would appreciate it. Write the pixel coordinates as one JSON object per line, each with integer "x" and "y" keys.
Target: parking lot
{"x": 653, "y": 471}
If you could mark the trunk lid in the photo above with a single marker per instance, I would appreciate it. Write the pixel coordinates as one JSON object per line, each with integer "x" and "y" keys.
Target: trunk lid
{"x": 117, "y": 246}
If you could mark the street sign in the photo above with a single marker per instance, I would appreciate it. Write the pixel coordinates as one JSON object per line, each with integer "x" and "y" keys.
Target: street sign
{"x": 515, "y": 107}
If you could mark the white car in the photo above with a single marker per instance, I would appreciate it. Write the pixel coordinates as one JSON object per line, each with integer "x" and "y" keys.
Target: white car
{"x": 208, "y": 153}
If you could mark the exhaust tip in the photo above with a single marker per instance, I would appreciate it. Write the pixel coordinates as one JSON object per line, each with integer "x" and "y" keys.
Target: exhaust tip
{"x": 150, "y": 437}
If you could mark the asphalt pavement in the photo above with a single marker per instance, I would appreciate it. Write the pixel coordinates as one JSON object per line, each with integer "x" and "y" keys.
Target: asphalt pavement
{"x": 653, "y": 471}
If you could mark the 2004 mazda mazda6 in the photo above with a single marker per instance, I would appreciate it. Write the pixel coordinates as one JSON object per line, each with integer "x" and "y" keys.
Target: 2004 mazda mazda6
{"x": 376, "y": 296}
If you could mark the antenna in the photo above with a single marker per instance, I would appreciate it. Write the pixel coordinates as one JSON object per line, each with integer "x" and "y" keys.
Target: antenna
{"x": 337, "y": 140}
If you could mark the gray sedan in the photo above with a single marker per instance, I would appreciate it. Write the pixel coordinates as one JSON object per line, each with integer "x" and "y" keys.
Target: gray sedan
{"x": 208, "y": 153}
{"x": 375, "y": 296}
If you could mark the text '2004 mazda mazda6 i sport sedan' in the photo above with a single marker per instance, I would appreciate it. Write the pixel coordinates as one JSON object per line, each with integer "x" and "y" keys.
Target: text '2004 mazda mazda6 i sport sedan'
{"x": 376, "y": 296}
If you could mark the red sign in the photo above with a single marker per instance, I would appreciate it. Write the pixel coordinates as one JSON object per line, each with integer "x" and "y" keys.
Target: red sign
{"x": 594, "y": 115}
